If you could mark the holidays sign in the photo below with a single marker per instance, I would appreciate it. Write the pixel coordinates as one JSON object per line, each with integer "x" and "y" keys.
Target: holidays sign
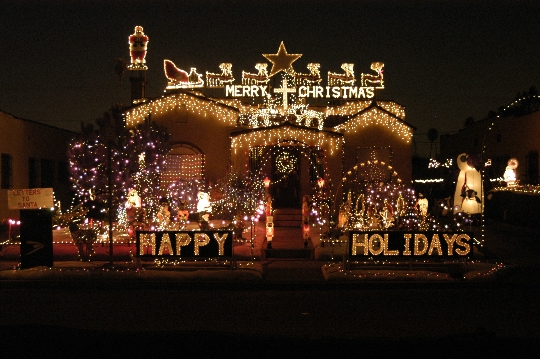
{"x": 33, "y": 198}
{"x": 410, "y": 244}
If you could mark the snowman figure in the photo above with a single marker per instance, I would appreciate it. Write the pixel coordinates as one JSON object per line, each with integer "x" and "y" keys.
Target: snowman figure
{"x": 204, "y": 208}
{"x": 468, "y": 187}
{"x": 133, "y": 208}
{"x": 510, "y": 173}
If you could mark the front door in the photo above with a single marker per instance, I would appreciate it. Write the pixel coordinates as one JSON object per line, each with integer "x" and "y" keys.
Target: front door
{"x": 286, "y": 178}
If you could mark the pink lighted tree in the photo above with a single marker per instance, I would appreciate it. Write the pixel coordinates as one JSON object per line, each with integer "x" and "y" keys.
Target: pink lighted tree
{"x": 136, "y": 158}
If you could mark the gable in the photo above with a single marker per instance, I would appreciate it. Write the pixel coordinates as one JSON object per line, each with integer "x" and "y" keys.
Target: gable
{"x": 387, "y": 115}
{"x": 193, "y": 103}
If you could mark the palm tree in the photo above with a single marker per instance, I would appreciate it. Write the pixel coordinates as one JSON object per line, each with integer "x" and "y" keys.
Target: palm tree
{"x": 469, "y": 121}
{"x": 432, "y": 135}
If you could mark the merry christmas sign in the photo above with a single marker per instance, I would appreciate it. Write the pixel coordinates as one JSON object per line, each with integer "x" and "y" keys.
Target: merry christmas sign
{"x": 308, "y": 84}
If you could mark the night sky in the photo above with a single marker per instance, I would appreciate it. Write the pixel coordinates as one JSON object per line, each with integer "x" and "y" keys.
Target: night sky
{"x": 444, "y": 60}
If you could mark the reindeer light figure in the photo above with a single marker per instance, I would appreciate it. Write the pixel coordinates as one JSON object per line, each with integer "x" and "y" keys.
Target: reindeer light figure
{"x": 259, "y": 78}
{"x": 226, "y": 76}
{"x": 313, "y": 78}
{"x": 374, "y": 79}
{"x": 347, "y": 78}
{"x": 179, "y": 78}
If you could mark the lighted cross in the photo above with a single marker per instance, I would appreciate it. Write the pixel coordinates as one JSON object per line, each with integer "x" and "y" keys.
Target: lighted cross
{"x": 284, "y": 90}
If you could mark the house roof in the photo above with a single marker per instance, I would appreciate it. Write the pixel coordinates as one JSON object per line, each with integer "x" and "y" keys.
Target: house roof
{"x": 137, "y": 113}
{"x": 35, "y": 122}
{"x": 334, "y": 121}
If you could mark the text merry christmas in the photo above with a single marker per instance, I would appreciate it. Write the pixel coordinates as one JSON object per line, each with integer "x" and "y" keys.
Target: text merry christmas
{"x": 334, "y": 92}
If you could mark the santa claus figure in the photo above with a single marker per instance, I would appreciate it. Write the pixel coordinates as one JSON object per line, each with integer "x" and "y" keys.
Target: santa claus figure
{"x": 137, "y": 48}
{"x": 133, "y": 207}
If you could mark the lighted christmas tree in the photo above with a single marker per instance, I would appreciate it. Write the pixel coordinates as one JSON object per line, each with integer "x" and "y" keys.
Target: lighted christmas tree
{"x": 145, "y": 153}
{"x": 89, "y": 158}
{"x": 376, "y": 199}
{"x": 238, "y": 195}
{"x": 136, "y": 158}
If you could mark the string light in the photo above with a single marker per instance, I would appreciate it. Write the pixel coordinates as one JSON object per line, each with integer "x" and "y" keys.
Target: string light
{"x": 376, "y": 116}
{"x": 286, "y": 132}
{"x": 193, "y": 103}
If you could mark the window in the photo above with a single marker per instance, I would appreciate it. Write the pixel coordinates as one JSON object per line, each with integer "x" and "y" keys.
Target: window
{"x": 6, "y": 171}
{"x": 183, "y": 163}
{"x": 377, "y": 155}
{"x": 63, "y": 172}
{"x": 255, "y": 157}
{"x": 47, "y": 173}
{"x": 33, "y": 173}
{"x": 532, "y": 167}
{"x": 499, "y": 137}
{"x": 316, "y": 169}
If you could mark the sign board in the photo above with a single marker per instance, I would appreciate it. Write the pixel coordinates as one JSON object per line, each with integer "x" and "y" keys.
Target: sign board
{"x": 33, "y": 198}
{"x": 185, "y": 244}
{"x": 410, "y": 244}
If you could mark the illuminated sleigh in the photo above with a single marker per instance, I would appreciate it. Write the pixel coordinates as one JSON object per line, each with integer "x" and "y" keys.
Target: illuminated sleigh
{"x": 374, "y": 79}
{"x": 261, "y": 77}
{"x": 181, "y": 79}
{"x": 346, "y": 78}
{"x": 226, "y": 76}
{"x": 313, "y": 78}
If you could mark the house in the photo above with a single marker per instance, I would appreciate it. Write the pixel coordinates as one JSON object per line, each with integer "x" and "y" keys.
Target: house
{"x": 506, "y": 147}
{"x": 33, "y": 155}
{"x": 271, "y": 126}
{"x": 510, "y": 135}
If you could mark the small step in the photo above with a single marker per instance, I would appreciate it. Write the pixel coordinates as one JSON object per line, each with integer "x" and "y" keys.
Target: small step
{"x": 287, "y": 223}
{"x": 279, "y": 211}
{"x": 288, "y": 217}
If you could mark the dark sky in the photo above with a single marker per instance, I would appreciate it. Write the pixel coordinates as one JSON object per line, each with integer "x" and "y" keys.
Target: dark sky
{"x": 444, "y": 60}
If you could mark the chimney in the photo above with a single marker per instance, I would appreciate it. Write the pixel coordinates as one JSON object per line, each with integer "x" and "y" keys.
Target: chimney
{"x": 138, "y": 86}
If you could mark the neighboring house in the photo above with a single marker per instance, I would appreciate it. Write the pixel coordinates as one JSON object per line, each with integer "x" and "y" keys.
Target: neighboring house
{"x": 497, "y": 140}
{"x": 33, "y": 155}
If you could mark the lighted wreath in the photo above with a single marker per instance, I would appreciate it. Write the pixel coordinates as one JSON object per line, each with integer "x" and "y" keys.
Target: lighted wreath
{"x": 286, "y": 162}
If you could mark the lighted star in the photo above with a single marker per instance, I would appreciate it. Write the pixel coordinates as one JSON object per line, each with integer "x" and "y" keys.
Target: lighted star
{"x": 282, "y": 61}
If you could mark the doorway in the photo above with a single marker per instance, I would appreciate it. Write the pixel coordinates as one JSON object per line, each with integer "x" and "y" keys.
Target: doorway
{"x": 286, "y": 178}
